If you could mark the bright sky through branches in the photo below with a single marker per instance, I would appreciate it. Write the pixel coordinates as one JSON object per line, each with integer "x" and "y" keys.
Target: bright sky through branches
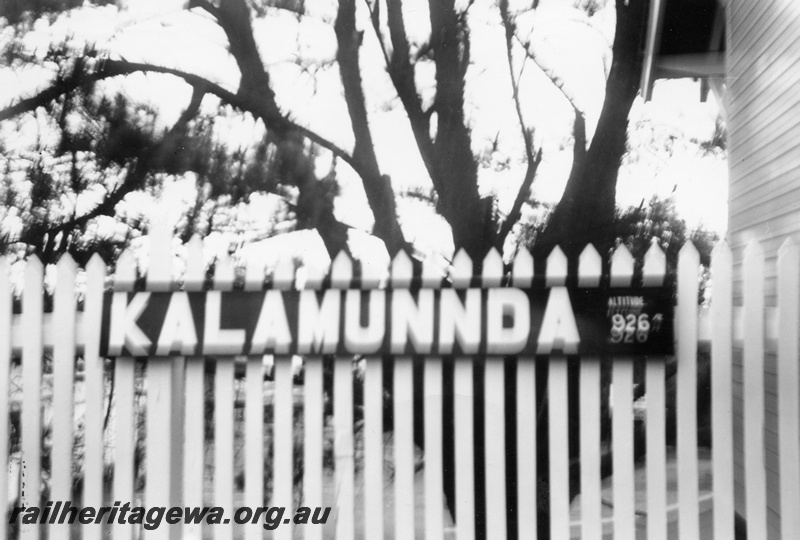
{"x": 299, "y": 53}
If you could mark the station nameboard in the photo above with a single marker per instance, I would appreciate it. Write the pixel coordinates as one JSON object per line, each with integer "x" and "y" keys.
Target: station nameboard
{"x": 500, "y": 321}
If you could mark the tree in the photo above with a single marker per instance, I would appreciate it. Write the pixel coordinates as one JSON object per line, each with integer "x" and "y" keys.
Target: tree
{"x": 440, "y": 126}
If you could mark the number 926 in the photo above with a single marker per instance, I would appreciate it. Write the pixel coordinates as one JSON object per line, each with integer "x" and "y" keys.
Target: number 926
{"x": 630, "y": 328}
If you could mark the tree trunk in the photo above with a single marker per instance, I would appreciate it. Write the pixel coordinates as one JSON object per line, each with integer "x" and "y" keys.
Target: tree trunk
{"x": 587, "y": 209}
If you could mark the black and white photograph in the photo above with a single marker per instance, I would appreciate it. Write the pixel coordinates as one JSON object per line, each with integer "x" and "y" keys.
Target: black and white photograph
{"x": 400, "y": 269}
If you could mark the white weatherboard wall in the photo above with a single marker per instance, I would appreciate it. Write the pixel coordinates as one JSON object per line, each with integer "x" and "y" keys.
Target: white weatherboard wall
{"x": 763, "y": 111}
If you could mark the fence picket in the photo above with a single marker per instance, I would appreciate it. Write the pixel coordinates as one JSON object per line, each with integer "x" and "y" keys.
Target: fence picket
{"x": 623, "y": 482}
{"x": 94, "y": 377}
{"x": 31, "y": 398}
{"x": 526, "y": 448}
{"x": 63, "y": 383}
{"x": 788, "y": 395}
{"x": 558, "y": 407}
{"x": 434, "y": 482}
{"x": 465, "y": 472}
{"x": 494, "y": 417}
{"x": 686, "y": 398}
{"x": 254, "y": 442}
{"x": 721, "y": 391}
{"x": 194, "y": 399}
{"x": 753, "y": 361}
{"x": 5, "y": 367}
{"x": 590, "y": 268}
{"x": 313, "y": 420}
{"x": 656, "y": 438}
{"x": 283, "y": 459}
{"x": 461, "y": 275}
{"x": 313, "y": 404}
{"x": 224, "y": 276}
{"x": 343, "y": 445}
{"x": 404, "y": 447}
{"x": 522, "y": 277}
{"x": 165, "y": 378}
{"x": 124, "y": 418}
{"x": 373, "y": 448}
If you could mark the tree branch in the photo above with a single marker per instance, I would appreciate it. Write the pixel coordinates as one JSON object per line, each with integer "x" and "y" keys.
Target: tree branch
{"x": 401, "y": 71}
{"x": 152, "y": 159}
{"x": 377, "y": 188}
{"x": 527, "y": 135}
{"x": 114, "y": 68}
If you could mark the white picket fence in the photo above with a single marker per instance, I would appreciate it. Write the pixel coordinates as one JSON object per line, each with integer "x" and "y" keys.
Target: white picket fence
{"x": 175, "y": 438}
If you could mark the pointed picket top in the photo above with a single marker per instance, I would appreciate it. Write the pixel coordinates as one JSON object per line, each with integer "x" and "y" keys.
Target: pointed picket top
{"x": 689, "y": 260}
{"x": 590, "y": 267}
{"x": 432, "y": 273}
{"x": 224, "y": 274}
{"x": 126, "y": 272}
{"x": 254, "y": 275}
{"x": 341, "y": 271}
{"x": 402, "y": 270}
{"x": 522, "y": 270}
{"x": 159, "y": 271}
{"x": 492, "y": 271}
{"x": 195, "y": 274}
{"x": 314, "y": 274}
{"x": 752, "y": 262}
{"x": 34, "y": 273}
{"x": 621, "y": 267}
{"x": 556, "y": 273}
{"x": 5, "y": 277}
{"x": 655, "y": 266}
{"x": 461, "y": 273}
{"x": 96, "y": 268}
{"x": 283, "y": 276}
{"x": 373, "y": 274}
{"x": 66, "y": 271}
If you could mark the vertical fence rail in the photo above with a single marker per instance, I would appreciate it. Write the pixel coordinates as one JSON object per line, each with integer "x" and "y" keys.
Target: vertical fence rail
{"x": 558, "y": 407}
{"x": 94, "y": 377}
{"x": 313, "y": 421}
{"x": 722, "y": 390}
{"x": 624, "y": 484}
{"x": 656, "y": 437}
{"x": 522, "y": 276}
{"x": 494, "y": 419}
{"x": 788, "y": 392}
{"x": 589, "y": 273}
{"x": 5, "y": 371}
{"x": 686, "y": 328}
{"x": 124, "y": 417}
{"x": 32, "y": 319}
{"x": 164, "y": 425}
{"x": 753, "y": 358}
{"x": 194, "y": 400}
{"x": 63, "y": 383}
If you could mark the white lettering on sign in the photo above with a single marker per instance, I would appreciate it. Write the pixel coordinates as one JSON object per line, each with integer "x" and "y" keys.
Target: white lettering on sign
{"x": 511, "y": 303}
{"x": 177, "y": 332}
{"x": 272, "y": 329}
{"x": 559, "y": 329}
{"x": 215, "y": 339}
{"x": 123, "y": 330}
{"x": 460, "y": 321}
{"x": 412, "y": 321}
{"x": 359, "y": 339}
{"x": 318, "y": 324}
